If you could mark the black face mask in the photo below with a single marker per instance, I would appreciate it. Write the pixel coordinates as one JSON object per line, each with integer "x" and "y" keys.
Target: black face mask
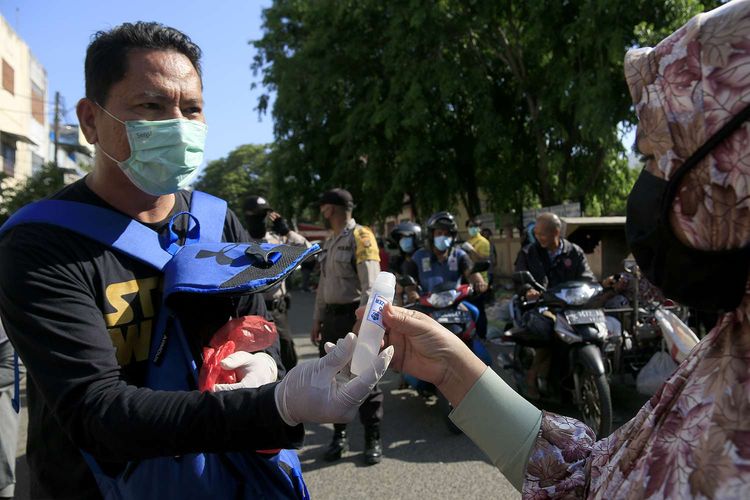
{"x": 705, "y": 280}
{"x": 256, "y": 225}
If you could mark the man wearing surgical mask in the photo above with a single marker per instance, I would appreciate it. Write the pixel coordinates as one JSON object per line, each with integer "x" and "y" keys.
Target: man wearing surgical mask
{"x": 81, "y": 314}
{"x": 443, "y": 264}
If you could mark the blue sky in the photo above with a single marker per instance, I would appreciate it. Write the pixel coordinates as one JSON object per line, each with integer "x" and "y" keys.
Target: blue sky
{"x": 59, "y": 32}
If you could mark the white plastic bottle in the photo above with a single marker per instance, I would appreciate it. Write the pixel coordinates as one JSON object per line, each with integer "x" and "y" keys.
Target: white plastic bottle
{"x": 371, "y": 331}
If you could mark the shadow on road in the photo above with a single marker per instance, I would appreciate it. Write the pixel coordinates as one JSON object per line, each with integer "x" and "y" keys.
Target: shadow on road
{"x": 418, "y": 434}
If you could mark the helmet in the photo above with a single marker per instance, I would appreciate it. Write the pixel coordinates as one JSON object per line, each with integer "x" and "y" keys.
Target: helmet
{"x": 403, "y": 230}
{"x": 407, "y": 228}
{"x": 442, "y": 220}
{"x": 256, "y": 205}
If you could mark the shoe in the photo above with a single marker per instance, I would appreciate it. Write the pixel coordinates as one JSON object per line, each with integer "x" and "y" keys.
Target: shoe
{"x": 338, "y": 445}
{"x": 373, "y": 446}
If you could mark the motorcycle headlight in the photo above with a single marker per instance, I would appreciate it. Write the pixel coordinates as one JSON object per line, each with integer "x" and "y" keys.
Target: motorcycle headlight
{"x": 443, "y": 299}
{"x": 578, "y": 295}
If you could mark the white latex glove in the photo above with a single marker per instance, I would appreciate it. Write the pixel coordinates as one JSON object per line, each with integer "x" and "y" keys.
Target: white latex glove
{"x": 253, "y": 370}
{"x": 466, "y": 246}
{"x": 311, "y": 393}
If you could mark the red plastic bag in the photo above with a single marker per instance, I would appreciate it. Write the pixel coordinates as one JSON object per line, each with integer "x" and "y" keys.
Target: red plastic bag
{"x": 211, "y": 372}
{"x": 247, "y": 333}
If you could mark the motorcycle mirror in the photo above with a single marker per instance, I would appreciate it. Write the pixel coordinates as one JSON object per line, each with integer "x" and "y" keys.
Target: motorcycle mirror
{"x": 522, "y": 277}
{"x": 526, "y": 278}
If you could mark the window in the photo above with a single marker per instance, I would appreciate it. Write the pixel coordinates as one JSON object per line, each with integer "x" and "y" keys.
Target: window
{"x": 37, "y": 103}
{"x": 8, "y": 152}
{"x": 8, "y": 77}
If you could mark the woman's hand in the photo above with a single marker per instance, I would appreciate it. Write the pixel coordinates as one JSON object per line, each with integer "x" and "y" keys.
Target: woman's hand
{"x": 426, "y": 350}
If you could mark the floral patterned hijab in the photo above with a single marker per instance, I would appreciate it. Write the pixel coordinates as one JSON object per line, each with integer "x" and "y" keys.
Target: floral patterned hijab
{"x": 684, "y": 90}
{"x": 692, "y": 438}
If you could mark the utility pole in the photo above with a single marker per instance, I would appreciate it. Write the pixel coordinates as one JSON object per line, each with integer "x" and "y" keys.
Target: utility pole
{"x": 56, "y": 125}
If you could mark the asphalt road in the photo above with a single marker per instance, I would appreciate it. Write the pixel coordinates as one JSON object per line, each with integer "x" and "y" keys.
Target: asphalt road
{"x": 422, "y": 458}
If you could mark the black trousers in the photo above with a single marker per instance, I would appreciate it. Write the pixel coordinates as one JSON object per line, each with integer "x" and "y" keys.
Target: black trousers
{"x": 336, "y": 324}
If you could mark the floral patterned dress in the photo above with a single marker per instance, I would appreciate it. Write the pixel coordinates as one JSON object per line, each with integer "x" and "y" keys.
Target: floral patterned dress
{"x": 692, "y": 438}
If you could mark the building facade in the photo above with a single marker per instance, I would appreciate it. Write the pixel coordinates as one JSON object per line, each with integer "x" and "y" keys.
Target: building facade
{"x": 24, "y": 116}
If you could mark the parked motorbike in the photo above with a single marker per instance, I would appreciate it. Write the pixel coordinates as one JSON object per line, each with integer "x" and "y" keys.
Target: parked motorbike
{"x": 650, "y": 323}
{"x": 564, "y": 321}
{"x": 449, "y": 305}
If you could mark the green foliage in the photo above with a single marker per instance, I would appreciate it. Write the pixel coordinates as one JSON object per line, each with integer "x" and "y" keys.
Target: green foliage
{"x": 434, "y": 101}
{"x": 244, "y": 172}
{"x": 16, "y": 194}
{"x": 619, "y": 177}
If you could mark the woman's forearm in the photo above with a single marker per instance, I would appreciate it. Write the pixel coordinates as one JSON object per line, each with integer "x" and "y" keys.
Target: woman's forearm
{"x": 462, "y": 373}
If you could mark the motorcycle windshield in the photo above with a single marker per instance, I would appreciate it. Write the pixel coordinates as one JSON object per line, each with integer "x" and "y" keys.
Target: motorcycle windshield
{"x": 443, "y": 299}
{"x": 574, "y": 293}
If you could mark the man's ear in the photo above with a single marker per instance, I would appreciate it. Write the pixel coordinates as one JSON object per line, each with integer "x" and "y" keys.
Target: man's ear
{"x": 86, "y": 111}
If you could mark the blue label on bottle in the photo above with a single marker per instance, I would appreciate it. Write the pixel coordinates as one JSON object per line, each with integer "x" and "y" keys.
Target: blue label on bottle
{"x": 375, "y": 314}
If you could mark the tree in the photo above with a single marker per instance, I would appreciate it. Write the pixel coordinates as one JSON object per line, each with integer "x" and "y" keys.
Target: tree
{"x": 244, "y": 172}
{"x": 14, "y": 195}
{"x": 436, "y": 101}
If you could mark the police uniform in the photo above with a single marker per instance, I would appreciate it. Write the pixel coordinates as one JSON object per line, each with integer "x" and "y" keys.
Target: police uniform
{"x": 277, "y": 300}
{"x": 349, "y": 265}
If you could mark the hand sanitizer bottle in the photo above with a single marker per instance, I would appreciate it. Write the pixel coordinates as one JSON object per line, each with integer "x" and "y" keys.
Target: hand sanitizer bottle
{"x": 371, "y": 331}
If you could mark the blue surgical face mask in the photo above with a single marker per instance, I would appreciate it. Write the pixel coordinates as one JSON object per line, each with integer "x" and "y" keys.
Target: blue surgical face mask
{"x": 473, "y": 231}
{"x": 442, "y": 243}
{"x": 164, "y": 154}
{"x": 406, "y": 244}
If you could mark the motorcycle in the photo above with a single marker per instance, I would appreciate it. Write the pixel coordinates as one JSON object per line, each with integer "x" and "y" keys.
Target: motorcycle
{"x": 449, "y": 305}
{"x": 649, "y": 322}
{"x": 565, "y": 323}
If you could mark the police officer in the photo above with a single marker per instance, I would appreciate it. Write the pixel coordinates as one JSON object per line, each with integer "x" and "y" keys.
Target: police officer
{"x": 349, "y": 265}
{"x": 258, "y": 214}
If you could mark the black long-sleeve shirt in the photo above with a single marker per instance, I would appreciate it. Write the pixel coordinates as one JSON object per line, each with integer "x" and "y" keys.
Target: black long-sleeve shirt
{"x": 570, "y": 264}
{"x": 81, "y": 316}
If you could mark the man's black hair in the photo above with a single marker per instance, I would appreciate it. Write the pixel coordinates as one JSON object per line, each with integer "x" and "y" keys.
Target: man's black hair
{"x": 107, "y": 54}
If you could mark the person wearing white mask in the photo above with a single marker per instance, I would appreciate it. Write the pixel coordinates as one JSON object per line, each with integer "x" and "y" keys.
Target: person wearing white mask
{"x": 442, "y": 263}
{"x": 81, "y": 314}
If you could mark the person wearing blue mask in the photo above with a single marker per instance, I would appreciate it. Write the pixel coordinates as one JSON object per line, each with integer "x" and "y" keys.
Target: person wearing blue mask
{"x": 81, "y": 314}
{"x": 442, "y": 264}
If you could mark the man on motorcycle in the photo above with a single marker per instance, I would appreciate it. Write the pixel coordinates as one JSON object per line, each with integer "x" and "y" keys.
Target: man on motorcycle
{"x": 551, "y": 259}
{"x": 442, "y": 262}
{"x": 407, "y": 236}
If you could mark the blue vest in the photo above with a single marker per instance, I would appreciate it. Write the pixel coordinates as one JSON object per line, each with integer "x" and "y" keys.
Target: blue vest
{"x": 202, "y": 265}
{"x": 432, "y": 272}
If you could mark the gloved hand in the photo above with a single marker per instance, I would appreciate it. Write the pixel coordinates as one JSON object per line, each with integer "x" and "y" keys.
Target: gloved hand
{"x": 253, "y": 370}
{"x": 278, "y": 224}
{"x": 466, "y": 246}
{"x": 311, "y": 393}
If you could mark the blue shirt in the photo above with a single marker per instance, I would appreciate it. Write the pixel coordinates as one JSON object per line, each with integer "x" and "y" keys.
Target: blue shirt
{"x": 432, "y": 272}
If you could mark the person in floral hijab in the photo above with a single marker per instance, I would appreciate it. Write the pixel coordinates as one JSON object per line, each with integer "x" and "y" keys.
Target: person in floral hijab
{"x": 692, "y": 438}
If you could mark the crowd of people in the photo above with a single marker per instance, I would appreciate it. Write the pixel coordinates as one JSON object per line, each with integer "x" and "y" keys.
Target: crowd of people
{"x": 82, "y": 307}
